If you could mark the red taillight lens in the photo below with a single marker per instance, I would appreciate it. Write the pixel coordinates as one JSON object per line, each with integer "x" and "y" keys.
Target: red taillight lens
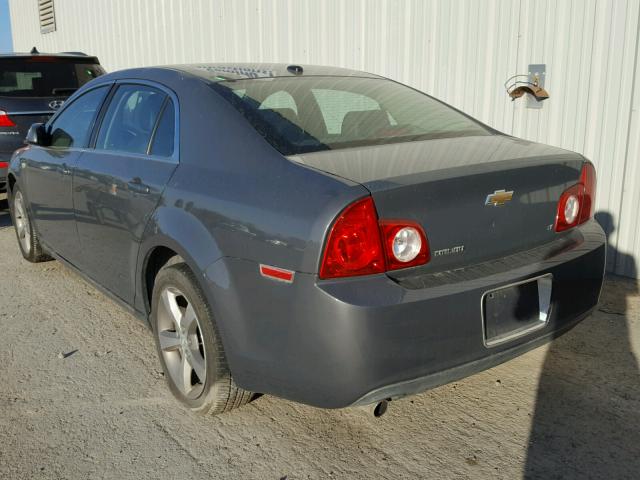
{"x": 354, "y": 246}
{"x": 588, "y": 180}
{"x": 5, "y": 121}
{"x": 4, "y": 164}
{"x": 405, "y": 244}
{"x": 358, "y": 244}
{"x": 577, "y": 203}
{"x": 569, "y": 208}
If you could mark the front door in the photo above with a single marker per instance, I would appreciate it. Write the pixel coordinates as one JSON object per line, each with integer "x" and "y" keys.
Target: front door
{"x": 47, "y": 173}
{"x": 118, "y": 184}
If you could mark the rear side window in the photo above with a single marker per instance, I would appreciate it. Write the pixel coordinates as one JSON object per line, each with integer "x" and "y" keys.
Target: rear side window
{"x": 163, "y": 138}
{"x": 45, "y": 76}
{"x": 308, "y": 114}
{"x": 72, "y": 127}
{"x": 130, "y": 119}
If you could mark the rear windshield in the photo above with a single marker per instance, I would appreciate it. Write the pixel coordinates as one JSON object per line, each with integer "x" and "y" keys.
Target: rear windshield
{"x": 309, "y": 114}
{"x": 45, "y": 76}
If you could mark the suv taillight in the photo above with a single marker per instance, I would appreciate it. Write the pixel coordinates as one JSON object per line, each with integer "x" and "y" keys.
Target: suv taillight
{"x": 360, "y": 244}
{"x": 5, "y": 121}
{"x": 577, "y": 203}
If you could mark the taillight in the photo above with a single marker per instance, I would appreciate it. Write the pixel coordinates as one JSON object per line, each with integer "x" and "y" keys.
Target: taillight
{"x": 360, "y": 244}
{"x": 577, "y": 203}
{"x": 405, "y": 244}
{"x": 354, "y": 246}
{"x": 569, "y": 208}
{"x": 5, "y": 121}
{"x": 588, "y": 179}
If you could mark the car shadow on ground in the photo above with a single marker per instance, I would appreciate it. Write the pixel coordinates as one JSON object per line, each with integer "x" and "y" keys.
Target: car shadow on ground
{"x": 579, "y": 429}
{"x": 5, "y": 218}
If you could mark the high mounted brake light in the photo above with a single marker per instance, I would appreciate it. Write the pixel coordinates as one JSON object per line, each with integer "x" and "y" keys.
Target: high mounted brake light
{"x": 577, "y": 203}
{"x": 5, "y": 121}
{"x": 360, "y": 244}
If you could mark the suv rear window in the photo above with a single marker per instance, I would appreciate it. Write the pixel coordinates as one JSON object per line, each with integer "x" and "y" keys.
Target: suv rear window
{"x": 45, "y": 76}
{"x": 308, "y": 114}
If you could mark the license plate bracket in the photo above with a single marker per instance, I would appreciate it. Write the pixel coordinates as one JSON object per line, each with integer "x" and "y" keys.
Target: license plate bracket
{"x": 516, "y": 310}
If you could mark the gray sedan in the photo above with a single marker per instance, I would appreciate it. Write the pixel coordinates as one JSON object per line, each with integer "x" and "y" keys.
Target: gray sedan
{"x": 324, "y": 235}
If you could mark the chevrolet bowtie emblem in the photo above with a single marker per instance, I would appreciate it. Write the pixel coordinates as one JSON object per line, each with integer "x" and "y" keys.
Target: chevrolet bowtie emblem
{"x": 499, "y": 198}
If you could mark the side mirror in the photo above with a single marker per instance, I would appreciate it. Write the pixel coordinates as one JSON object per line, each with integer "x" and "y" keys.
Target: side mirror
{"x": 37, "y": 135}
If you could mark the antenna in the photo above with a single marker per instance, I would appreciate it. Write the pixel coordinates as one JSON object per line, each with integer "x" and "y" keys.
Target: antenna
{"x": 295, "y": 69}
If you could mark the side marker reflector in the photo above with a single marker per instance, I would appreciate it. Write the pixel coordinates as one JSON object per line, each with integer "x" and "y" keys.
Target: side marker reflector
{"x": 276, "y": 273}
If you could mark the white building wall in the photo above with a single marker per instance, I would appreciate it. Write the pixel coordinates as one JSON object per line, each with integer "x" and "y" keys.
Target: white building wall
{"x": 461, "y": 51}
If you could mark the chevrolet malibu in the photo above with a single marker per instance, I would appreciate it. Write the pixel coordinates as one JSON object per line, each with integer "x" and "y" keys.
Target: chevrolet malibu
{"x": 324, "y": 235}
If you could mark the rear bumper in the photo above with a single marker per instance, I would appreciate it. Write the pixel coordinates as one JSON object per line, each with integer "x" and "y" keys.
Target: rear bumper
{"x": 355, "y": 341}
{"x": 417, "y": 385}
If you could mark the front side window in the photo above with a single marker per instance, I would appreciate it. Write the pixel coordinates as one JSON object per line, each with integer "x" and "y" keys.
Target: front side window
{"x": 130, "y": 119}
{"x": 72, "y": 127}
{"x": 308, "y": 114}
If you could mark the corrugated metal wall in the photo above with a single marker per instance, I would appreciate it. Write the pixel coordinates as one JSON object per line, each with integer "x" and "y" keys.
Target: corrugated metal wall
{"x": 461, "y": 51}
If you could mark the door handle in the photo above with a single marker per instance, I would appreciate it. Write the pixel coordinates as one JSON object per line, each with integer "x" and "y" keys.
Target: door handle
{"x": 135, "y": 185}
{"x": 65, "y": 169}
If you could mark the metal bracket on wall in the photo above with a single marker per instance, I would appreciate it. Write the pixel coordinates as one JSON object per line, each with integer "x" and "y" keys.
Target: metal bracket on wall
{"x": 533, "y": 87}
{"x": 537, "y": 74}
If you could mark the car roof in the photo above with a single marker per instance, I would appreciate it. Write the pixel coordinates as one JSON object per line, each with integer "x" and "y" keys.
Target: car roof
{"x": 219, "y": 72}
{"x": 74, "y": 55}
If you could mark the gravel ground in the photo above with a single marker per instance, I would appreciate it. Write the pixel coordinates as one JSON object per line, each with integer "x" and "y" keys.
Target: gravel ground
{"x": 83, "y": 397}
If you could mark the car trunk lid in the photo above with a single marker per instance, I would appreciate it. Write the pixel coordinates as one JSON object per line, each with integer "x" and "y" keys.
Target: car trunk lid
{"x": 458, "y": 189}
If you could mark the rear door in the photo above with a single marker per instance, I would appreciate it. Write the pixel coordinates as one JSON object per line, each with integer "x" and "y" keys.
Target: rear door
{"x": 32, "y": 88}
{"x": 47, "y": 172}
{"x": 118, "y": 184}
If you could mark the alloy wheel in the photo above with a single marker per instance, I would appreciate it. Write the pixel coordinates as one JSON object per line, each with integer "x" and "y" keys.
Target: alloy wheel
{"x": 23, "y": 227}
{"x": 180, "y": 339}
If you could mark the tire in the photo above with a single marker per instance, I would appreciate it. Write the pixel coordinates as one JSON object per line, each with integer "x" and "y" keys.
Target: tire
{"x": 28, "y": 239}
{"x": 187, "y": 339}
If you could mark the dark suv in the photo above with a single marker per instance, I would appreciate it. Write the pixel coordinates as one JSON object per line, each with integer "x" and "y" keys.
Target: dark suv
{"x": 32, "y": 87}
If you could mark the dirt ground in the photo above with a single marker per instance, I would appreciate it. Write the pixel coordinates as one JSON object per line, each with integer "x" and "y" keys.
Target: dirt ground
{"x": 82, "y": 396}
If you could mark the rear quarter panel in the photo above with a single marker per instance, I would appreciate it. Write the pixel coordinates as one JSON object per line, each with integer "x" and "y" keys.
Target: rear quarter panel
{"x": 233, "y": 195}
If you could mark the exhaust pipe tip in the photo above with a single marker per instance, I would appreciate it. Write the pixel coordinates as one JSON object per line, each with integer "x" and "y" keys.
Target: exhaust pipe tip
{"x": 377, "y": 409}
